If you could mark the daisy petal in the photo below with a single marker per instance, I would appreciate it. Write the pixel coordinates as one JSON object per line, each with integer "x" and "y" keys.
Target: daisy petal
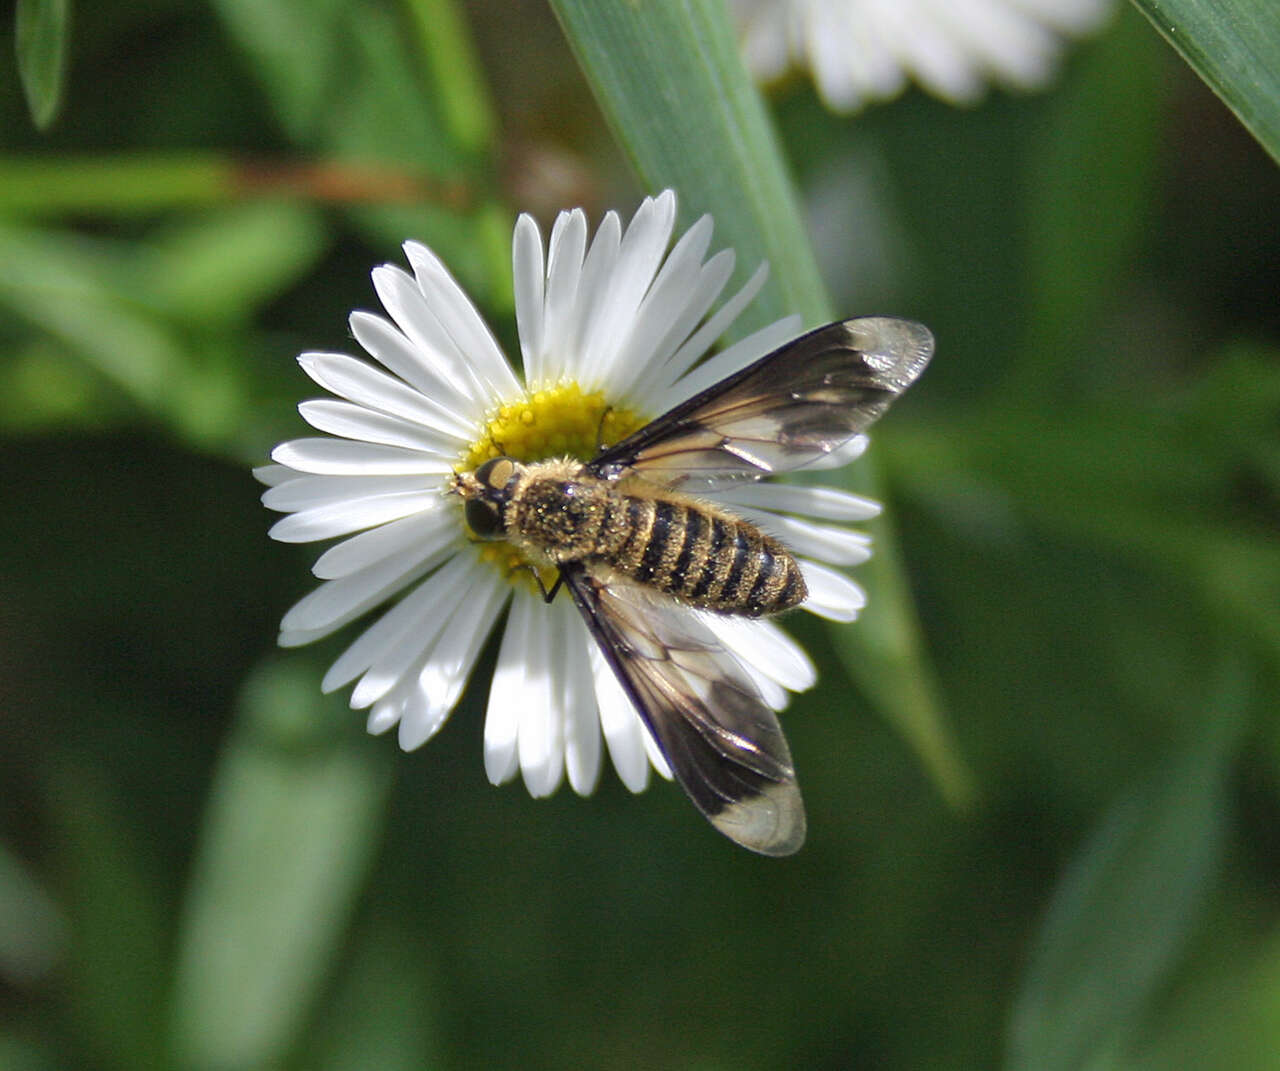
{"x": 831, "y": 594}
{"x": 842, "y": 455}
{"x": 352, "y": 515}
{"x": 338, "y": 457}
{"x": 540, "y": 739}
{"x": 700, "y": 341}
{"x": 432, "y": 344}
{"x": 307, "y": 492}
{"x": 581, "y": 720}
{"x": 449, "y": 665}
{"x": 528, "y": 276}
{"x": 364, "y": 425}
{"x": 336, "y": 602}
{"x": 272, "y": 474}
{"x": 428, "y": 530}
{"x": 839, "y": 546}
{"x": 564, "y": 273}
{"x": 727, "y": 361}
{"x": 507, "y": 691}
{"x": 364, "y": 385}
{"x": 623, "y": 733}
{"x": 458, "y": 316}
{"x": 639, "y": 257}
{"x": 383, "y": 655}
{"x": 762, "y": 644}
{"x": 597, "y": 268}
{"x": 830, "y": 503}
{"x": 391, "y": 347}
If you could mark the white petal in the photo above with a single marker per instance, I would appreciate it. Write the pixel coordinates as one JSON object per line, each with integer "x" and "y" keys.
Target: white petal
{"x": 656, "y": 759}
{"x": 387, "y": 344}
{"x": 449, "y": 665}
{"x": 831, "y": 594}
{"x": 271, "y": 475}
{"x": 639, "y": 257}
{"x": 581, "y": 719}
{"x": 623, "y": 733}
{"x": 842, "y": 455}
{"x": 353, "y": 515}
{"x": 338, "y": 457}
{"x": 681, "y": 296}
{"x": 307, "y": 492}
{"x": 774, "y": 695}
{"x": 830, "y": 503}
{"x": 597, "y": 268}
{"x": 365, "y": 425}
{"x": 359, "y": 382}
{"x": 762, "y": 645}
{"x": 839, "y": 546}
{"x": 564, "y": 274}
{"x": 460, "y": 319}
{"x": 384, "y": 715}
{"x": 528, "y": 280}
{"x": 432, "y": 343}
{"x": 728, "y": 361}
{"x": 335, "y": 602}
{"x": 383, "y": 655}
{"x": 702, "y": 293}
{"x": 427, "y": 529}
{"x": 507, "y": 691}
{"x": 701, "y": 340}
{"x": 540, "y": 738}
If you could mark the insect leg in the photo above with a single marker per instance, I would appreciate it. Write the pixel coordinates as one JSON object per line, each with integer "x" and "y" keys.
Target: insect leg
{"x": 600, "y": 443}
{"x": 547, "y": 596}
{"x": 547, "y": 593}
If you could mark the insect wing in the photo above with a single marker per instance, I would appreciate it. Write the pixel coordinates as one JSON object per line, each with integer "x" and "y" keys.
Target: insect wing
{"x": 787, "y": 409}
{"x": 720, "y": 738}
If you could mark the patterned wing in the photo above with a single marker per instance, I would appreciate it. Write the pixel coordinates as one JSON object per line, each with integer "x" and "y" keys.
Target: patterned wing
{"x": 787, "y": 409}
{"x": 721, "y": 740}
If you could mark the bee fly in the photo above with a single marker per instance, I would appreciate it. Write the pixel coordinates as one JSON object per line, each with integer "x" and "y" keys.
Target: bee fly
{"x": 637, "y": 549}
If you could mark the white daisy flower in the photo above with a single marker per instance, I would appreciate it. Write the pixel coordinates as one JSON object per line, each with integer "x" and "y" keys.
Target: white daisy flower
{"x": 611, "y": 335}
{"x": 865, "y": 50}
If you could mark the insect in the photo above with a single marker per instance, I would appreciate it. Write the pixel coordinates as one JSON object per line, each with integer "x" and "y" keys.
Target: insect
{"x": 639, "y": 552}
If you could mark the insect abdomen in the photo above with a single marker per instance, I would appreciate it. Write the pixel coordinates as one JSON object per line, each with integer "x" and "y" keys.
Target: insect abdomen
{"x": 707, "y": 558}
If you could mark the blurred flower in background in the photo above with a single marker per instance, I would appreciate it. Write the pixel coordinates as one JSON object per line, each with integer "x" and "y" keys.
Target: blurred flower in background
{"x": 861, "y": 51}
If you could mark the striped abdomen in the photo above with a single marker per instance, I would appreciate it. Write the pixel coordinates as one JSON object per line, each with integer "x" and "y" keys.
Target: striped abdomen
{"x": 706, "y": 558}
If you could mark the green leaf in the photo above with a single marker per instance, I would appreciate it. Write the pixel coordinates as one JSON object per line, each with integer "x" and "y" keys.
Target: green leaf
{"x": 295, "y": 46}
{"x": 32, "y": 930}
{"x": 220, "y": 266}
{"x": 383, "y": 1013}
{"x": 116, "y": 949}
{"x": 1128, "y": 904}
{"x": 41, "y": 30}
{"x": 67, "y": 287}
{"x": 294, "y": 815}
{"x": 1091, "y": 197}
{"x": 458, "y": 88}
{"x": 1234, "y": 45}
{"x": 668, "y": 77}
{"x": 1224, "y": 1018}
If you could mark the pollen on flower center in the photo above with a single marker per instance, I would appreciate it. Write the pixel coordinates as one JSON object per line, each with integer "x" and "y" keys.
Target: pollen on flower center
{"x": 559, "y": 421}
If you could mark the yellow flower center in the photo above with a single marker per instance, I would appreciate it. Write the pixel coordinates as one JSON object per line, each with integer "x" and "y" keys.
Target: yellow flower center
{"x": 559, "y": 421}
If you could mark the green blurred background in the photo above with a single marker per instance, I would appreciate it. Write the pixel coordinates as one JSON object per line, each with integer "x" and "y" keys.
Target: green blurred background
{"x": 206, "y": 865}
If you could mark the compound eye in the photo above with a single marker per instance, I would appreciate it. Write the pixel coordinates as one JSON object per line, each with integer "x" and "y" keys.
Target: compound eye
{"x": 496, "y": 473}
{"x": 485, "y": 519}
